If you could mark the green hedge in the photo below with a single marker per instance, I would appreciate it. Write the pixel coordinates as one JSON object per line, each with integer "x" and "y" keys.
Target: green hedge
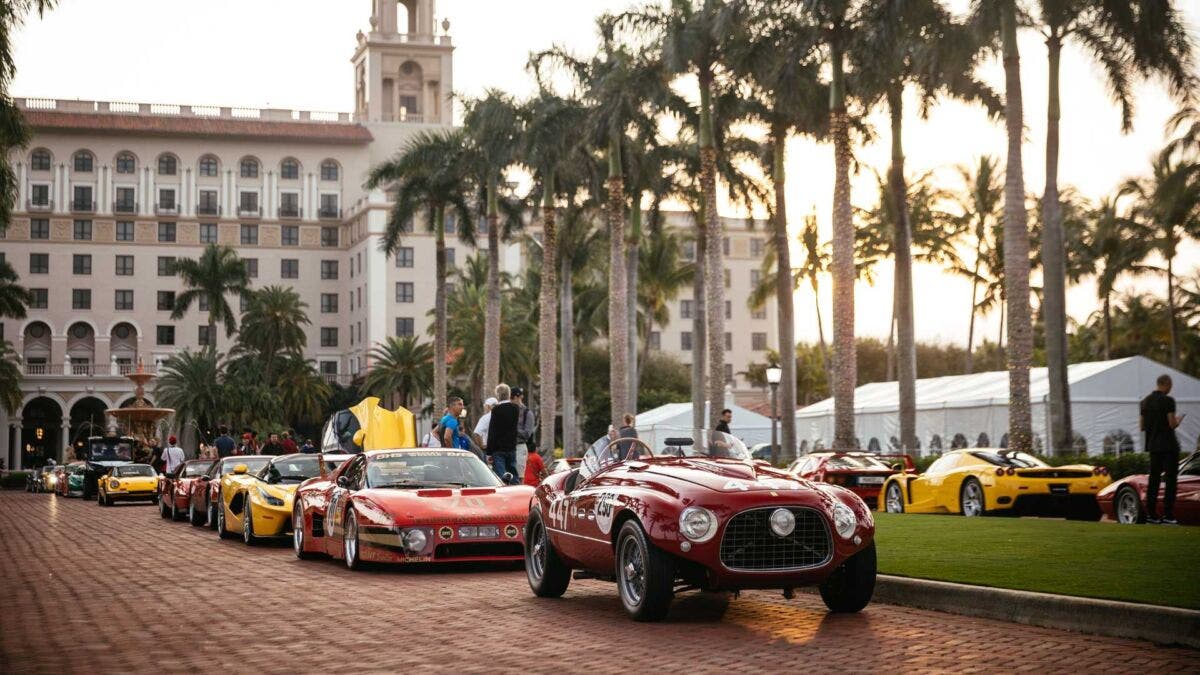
{"x": 1119, "y": 466}
{"x": 14, "y": 479}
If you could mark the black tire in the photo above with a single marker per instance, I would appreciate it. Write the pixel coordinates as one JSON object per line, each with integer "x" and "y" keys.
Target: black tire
{"x": 196, "y": 518}
{"x": 248, "y": 535}
{"x": 889, "y": 504}
{"x": 351, "y": 551}
{"x": 970, "y": 494}
{"x": 222, "y": 532}
{"x": 212, "y": 516}
{"x": 175, "y": 514}
{"x": 162, "y": 507}
{"x": 299, "y": 536}
{"x": 657, "y": 574}
{"x": 548, "y": 575}
{"x": 851, "y": 586}
{"x": 1127, "y": 507}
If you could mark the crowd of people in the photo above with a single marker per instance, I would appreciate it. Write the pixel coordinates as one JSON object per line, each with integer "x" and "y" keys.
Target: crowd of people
{"x": 503, "y": 437}
{"x": 225, "y": 445}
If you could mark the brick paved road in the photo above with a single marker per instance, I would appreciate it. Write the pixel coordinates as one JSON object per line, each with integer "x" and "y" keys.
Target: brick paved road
{"x": 89, "y": 589}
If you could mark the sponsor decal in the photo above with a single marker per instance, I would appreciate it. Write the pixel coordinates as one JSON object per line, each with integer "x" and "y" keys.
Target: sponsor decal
{"x": 735, "y": 485}
{"x": 604, "y": 511}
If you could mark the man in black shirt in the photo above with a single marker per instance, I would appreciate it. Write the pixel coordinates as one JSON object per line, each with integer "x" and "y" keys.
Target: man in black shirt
{"x": 502, "y": 435}
{"x": 726, "y": 418}
{"x": 1158, "y": 420}
{"x": 224, "y": 443}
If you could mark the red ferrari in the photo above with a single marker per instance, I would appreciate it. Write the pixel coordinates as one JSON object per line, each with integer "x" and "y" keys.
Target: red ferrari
{"x": 861, "y": 472}
{"x": 1125, "y": 500}
{"x": 203, "y": 491}
{"x": 175, "y": 489}
{"x": 410, "y": 506}
{"x": 696, "y": 513}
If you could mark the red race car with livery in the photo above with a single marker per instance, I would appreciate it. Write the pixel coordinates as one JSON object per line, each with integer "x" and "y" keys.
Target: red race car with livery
{"x": 1125, "y": 500}
{"x": 175, "y": 488}
{"x": 416, "y": 505}
{"x": 696, "y": 513}
{"x": 862, "y": 473}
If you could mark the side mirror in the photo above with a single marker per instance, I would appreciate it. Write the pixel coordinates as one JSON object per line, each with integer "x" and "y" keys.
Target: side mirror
{"x": 343, "y": 482}
{"x": 898, "y": 468}
{"x": 508, "y": 477}
{"x": 240, "y": 469}
{"x": 359, "y": 437}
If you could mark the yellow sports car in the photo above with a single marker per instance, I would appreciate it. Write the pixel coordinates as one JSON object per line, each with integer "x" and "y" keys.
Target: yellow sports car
{"x": 259, "y": 505}
{"x": 127, "y": 482}
{"x": 979, "y": 481}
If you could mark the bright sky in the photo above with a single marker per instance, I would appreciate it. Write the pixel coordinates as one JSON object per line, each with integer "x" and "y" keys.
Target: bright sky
{"x": 295, "y": 54}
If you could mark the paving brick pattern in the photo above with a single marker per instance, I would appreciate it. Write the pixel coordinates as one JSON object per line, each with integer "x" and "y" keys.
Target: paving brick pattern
{"x": 90, "y": 589}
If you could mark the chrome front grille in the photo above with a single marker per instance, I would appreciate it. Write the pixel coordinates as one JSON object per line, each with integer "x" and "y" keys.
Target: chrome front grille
{"x": 749, "y": 545}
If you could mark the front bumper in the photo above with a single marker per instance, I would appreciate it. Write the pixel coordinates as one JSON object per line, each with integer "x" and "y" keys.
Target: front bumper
{"x": 445, "y": 543}
{"x": 131, "y": 495}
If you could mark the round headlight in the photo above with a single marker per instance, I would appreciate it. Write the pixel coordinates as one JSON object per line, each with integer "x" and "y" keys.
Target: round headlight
{"x": 844, "y": 520}
{"x": 697, "y": 523}
{"x": 414, "y": 541}
{"x": 782, "y": 522}
{"x": 114, "y": 484}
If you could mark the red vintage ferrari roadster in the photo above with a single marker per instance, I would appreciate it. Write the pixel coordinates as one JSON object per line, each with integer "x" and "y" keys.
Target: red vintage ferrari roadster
{"x": 696, "y": 513}
{"x": 415, "y": 505}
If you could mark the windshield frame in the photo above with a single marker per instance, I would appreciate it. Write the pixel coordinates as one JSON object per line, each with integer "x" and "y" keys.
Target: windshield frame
{"x": 265, "y": 474}
{"x": 1011, "y": 459}
{"x": 486, "y": 477}
{"x": 607, "y": 451}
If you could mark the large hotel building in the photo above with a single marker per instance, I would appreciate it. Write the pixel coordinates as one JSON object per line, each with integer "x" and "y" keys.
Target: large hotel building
{"x": 109, "y": 194}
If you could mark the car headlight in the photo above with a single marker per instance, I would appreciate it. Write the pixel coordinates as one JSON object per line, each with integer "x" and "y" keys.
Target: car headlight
{"x": 697, "y": 523}
{"x": 783, "y": 522}
{"x": 414, "y": 541}
{"x": 114, "y": 484}
{"x": 844, "y": 520}
{"x": 489, "y": 531}
{"x": 270, "y": 498}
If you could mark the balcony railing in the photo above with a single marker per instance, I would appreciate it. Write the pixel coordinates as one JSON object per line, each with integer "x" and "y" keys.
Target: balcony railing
{"x": 166, "y": 209}
{"x": 248, "y": 210}
{"x": 125, "y": 207}
{"x": 78, "y": 206}
{"x": 31, "y": 205}
{"x": 291, "y": 212}
{"x": 208, "y": 210}
{"x": 329, "y": 213}
{"x": 342, "y": 379}
{"x": 82, "y": 369}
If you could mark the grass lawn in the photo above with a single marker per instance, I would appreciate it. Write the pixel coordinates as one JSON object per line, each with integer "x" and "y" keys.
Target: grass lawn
{"x": 1152, "y": 564}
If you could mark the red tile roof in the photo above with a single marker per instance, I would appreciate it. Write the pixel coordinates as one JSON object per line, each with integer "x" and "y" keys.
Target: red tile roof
{"x": 154, "y": 125}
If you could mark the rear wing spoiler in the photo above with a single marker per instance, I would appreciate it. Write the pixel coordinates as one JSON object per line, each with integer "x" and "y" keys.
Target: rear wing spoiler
{"x": 906, "y": 460}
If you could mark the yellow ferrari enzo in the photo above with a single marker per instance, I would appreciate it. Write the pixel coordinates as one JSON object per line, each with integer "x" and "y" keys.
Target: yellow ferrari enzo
{"x": 979, "y": 481}
{"x": 259, "y": 505}
{"x": 127, "y": 482}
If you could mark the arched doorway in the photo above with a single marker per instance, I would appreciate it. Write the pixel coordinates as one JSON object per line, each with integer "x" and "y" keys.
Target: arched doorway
{"x": 41, "y": 432}
{"x": 36, "y": 352}
{"x": 87, "y": 419}
{"x": 81, "y": 348}
{"x": 122, "y": 344}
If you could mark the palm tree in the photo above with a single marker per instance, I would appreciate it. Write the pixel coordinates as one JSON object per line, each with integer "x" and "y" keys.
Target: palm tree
{"x": 430, "y": 172}
{"x": 980, "y": 205}
{"x": 273, "y": 326}
{"x": 579, "y": 243}
{"x": 1168, "y": 203}
{"x": 192, "y": 383}
{"x": 815, "y": 264}
{"x": 303, "y": 393}
{"x": 218, "y": 272}
{"x": 1128, "y": 40}
{"x": 1116, "y": 244}
{"x": 493, "y": 125}
{"x": 10, "y": 379}
{"x": 401, "y": 367}
{"x": 13, "y": 132}
{"x": 14, "y": 298}
{"x": 663, "y": 274}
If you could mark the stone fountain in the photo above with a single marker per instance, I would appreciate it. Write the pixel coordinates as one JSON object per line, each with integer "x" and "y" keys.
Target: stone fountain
{"x": 140, "y": 418}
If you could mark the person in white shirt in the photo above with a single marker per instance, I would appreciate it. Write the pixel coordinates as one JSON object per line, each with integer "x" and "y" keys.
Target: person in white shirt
{"x": 481, "y": 427}
{"x": 172, "y": 455}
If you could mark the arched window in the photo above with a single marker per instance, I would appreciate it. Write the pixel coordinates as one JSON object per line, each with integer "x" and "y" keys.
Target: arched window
{"x": 804, "y": 447}
{"x": 167, "y": 165}
{"x": 289, "y": 169}
{"x": 893, "y": 444}
{"x": 126, "y": 163}
{"x": 935, "y": 444}
{"x": 1117, "y": 442}
{"x": 1004, "y": 441}
{"x": 1079, "y": 444}
{"x": 873, "y": 445}
{"x": 83, "y": 161}
{"x": 959, "y": 442}
{"x": 249, "y": 168}
{"x": 39, "y": 160}
{"x": 329, "y": 170}
{"x": 209, "y": 166}
{"x": 983, "y": 441}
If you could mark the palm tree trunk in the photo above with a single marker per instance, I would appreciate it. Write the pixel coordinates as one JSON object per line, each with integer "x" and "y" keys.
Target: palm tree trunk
{"x": 825, "y": 361}
{"x": 785, "y": 303}
{"x": 1171, "y": 314}
{"x": 1054, "y": 302}
{"x": 631, "y": 288}
{"x": 845, "y": 360}
{"x": 698, "y": 323}
{"x": 906, "y": 345}
{"x": 618, "y": 317}
{"x": 974, "y": 308}
{"x": 1016, "y": 247}
{"x": 889, "y": 350}
{"x": 714, "y": 268}
{"x": 491, "y": 330}
{"x": 1107, "y": 327}
{"x": 547, "y": 320}
{"x": 567, "y": 340}
{"x": 439, "y": 311}
{"x": 1000, "y": 337}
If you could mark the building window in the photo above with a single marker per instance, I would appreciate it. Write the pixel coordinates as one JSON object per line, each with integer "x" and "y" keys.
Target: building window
{"x": 243, "y": 302}
{"x": 39, "y": 228}
{"x": 248, "y": 202}
{"x": 289, "y": 235}
{"x": 81, "y": 298}
{"x": 83, "y": 161}
{"x": 685, "y": 340}
{"x": 204, "y": 337}
{"x": 165, "y": 335}
{"x": 728, "y": 278}
{"x": 167, "y": 165}
{"x": 329, "y": 237}
{"x": 329, "y": 337}
{"x": 725, "y": 245}
{"x": 166, "y": 301}
{"x": 249, "y": 235}
{"x": 685, "y": 309}
{"x": 83, "y": 199}
{"x": 655, "y": 340}
{"x": 329, "y": 269}
{"x": 329, "y": 303}
{"x": 208, "y": 205}
{"x": 329, "y": 207}
{"x": 404, "y": 291}
{"x": 728, "y": 373}
{"x": 124, "y": 300}
{"x": 729, "y": 342}
{"x": 81, "y": 263}
{"x": 289, "y": 268}
{"x": 166, "y": 265}
{"x": 405, "y": 326}
{"x": 329, "y": 170}
{"x": 289, "y": 169}
{"x": 126, "y": 200}
{"x": 251, "y": 267}
{"x": 124, "y": 266}
{"x": 208, "y": 233}
{"x": 166, "y": 199}
{"x": 166, "y": 232}
{"x": 728, "y": 310}
{"x": 83, "y": 230}
{"x": 202, "y": 303}
{"x": 404, "y": 256}
{"x": 39, "y": 195}
{"x": 208, "y": 166}
{"x": 124, "y": 230}
{"x": 450, "y": 257}
{"x": 760, "y": 313}
{"x": 39, "y": 298}
{"x": 329, "y": 368}
{"x": 755, "y": 278}
{"x": 126, "y": 163}
{"x": 249, "y": 168}
{"x": 756, "y": 247}
{"x": 40, "y": 160}
{"x": 39, "y": 263}
{"x": 451, "y": 224}
{"x": 289, "y": 205}
{"x": 758, "y": 342}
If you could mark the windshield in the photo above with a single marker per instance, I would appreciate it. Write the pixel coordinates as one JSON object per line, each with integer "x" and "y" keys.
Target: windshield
{"x": 194, "y": 469}
{"x": 253, "y": 464}
{"x": 111, "y": 449}
{"x": 133, "y": 470}
{"x": 851, "y": 462}
{"x": 433, "y": 468}
{"x": 1007, "y": 458}
{"x": 294, "y": 469}
{"x": 665, "y": 443}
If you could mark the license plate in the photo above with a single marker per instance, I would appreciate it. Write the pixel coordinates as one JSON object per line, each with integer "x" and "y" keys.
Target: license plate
{"x": 1058, "y": 489}
{"x": 870, "y": 480}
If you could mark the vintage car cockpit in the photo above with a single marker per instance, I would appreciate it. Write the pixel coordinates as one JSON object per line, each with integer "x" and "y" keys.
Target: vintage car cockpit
{"x": 686, "y": 443}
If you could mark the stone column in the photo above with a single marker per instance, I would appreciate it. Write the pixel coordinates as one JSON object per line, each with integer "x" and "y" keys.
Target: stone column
{"x": 14, "y": 436}
{"x": 22, "y": 189}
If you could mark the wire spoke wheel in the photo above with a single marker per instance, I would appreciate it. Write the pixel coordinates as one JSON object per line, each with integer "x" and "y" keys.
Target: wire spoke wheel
{"x": 633, "y": 570}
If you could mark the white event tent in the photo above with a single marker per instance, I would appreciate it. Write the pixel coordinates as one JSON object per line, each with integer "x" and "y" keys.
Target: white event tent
{"x": 962, "y": 410}
{"x": 675, "y": 419}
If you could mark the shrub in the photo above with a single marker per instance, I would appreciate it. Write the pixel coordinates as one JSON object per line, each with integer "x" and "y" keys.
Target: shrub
{"x": 14, "y": 479}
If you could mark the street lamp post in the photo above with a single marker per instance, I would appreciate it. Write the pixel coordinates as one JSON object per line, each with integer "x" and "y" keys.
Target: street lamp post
{"x": 774, "y": 375}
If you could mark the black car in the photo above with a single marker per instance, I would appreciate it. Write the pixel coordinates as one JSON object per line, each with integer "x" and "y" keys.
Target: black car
{"x": 103, "y": 453}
